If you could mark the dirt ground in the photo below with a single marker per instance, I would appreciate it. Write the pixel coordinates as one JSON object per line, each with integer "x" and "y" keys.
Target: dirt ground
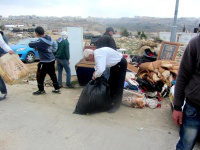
{"x": 46, "y": 122}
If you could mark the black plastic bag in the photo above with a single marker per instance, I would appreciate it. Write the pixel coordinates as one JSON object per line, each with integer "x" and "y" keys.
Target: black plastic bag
{"x": 95, "y": 97}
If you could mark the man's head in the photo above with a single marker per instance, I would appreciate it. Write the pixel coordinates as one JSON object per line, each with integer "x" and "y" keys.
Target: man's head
{"x": 110, "y": 30}
{"x": 88, "y": 54}
{"x": 39, "y": 31}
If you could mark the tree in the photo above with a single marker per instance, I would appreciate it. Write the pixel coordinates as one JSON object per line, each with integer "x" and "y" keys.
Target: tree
{"x": 143, "y": 35}
{"x": 2, "y": 27}
{"x": 138, "y": 32}
{"x": 184, "y": 29}
{"x": 125, "y": 33}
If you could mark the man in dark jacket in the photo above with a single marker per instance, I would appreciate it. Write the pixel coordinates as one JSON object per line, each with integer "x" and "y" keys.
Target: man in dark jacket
{"x": 188, "y": 89}
{"x": 46, "y": 47}
{"x": 106, "y": 39}
{"x": 62, "y": 58}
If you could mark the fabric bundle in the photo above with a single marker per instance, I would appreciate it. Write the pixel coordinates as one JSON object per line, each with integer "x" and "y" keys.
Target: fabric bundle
{"x": 161, "y": 70}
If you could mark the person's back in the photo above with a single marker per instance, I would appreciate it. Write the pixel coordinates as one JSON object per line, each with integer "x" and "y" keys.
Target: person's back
{"x": 63, "y": 50}
{"x": 62, "y": 58}
{"x": 110, "y": 55}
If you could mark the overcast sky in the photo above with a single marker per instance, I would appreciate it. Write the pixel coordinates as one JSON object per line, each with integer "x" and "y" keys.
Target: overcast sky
{"x": 100, "y": 8}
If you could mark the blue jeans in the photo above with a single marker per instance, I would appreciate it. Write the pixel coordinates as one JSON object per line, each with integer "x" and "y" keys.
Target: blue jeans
{"x": 2, "y": 86}
{"x": 189, "y": 129}
{"x": 63, "y": 63}
{"x": 106, "y": 73}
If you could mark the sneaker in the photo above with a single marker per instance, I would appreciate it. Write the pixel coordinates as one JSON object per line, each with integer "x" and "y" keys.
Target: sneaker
{"x": 39, "y": 92}
{"x": 3, "y": 96}
{"x": 56, "y": 91}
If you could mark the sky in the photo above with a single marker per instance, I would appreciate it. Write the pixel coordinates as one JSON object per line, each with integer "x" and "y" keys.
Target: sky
{"x": 100, "y": 8}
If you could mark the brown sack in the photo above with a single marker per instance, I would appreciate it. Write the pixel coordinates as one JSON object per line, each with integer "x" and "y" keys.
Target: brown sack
{"x": 12, "y": 69}
{"x": 175, "y": 67}
{"x": 161, "y": 70}
{"x": 147, "y": 66}
{"x": 174, "y": 71}
{"x": 156, "y": 64}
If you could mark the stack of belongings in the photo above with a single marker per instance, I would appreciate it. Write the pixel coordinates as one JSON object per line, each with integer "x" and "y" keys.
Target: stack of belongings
{"x": 157, "y": 76}
{"x": 12, "y": 69}
{"x": 134, "y": 97}
{"x": 148, "y": 56}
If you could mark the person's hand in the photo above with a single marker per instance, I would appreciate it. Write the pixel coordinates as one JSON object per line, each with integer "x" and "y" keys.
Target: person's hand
{"x": 68, "y": 62}
{"x": 11, "y": 52}
{"x": 93, "y": 78}
{"x": 178, "y": 117}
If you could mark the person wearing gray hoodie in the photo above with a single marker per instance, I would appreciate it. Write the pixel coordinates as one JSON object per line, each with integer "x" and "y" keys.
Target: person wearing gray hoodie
{"x": 46, "y": 47}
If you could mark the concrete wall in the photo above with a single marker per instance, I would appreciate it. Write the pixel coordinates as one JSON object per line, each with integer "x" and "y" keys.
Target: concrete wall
{"x": 180, "y": 37}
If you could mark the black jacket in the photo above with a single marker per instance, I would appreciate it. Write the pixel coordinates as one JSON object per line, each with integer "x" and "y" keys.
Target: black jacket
{"x": 188, "y": 80}
{"x": 106, "y": 41}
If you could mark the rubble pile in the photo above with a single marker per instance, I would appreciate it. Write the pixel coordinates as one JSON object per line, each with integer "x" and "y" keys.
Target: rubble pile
{"x": 131, "y": 44}
{"x": 135, "y": 46}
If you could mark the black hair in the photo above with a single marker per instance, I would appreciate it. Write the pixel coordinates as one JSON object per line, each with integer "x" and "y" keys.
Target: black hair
{"x": 39, "y": 30}
{"x": 1, "y": 32}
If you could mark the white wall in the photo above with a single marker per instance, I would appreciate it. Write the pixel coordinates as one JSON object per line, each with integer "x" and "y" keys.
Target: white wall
{"x": 181, "y": 37}
{"x": 76, "y": 46}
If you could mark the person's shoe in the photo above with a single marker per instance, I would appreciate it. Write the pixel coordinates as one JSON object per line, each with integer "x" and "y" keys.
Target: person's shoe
{"x": 113, "y": 109}
{"x": 39, "y": 92}
{"x": 2, "y": 97}
{"x": 60, "y": 86}
{"x": 56, "y": 91}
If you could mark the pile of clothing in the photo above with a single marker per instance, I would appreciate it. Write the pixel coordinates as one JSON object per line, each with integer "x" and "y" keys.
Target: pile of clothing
{"x": 157, "y": 76}
{"x": 152, "y": 82}
{"x": 148, "y": 56}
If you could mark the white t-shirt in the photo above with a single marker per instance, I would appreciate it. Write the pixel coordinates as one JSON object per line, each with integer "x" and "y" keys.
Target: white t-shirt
{"x": 105, "y": 57}
{"x": 3, "y": 45}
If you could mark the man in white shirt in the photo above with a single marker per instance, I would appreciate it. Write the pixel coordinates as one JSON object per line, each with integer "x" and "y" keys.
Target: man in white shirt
{"x": 108, "y": 57}
{"x": 6, "y": 49}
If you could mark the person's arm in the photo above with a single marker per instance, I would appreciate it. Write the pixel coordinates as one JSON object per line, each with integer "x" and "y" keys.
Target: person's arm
{"x": 100, "y": 65}
{"x": 34, "y": 44}
{"x": 67, "y": 50}
{"x": 54, "y": 46}
{"x": 4, "y": 46}
{"x": 187, "y": 68}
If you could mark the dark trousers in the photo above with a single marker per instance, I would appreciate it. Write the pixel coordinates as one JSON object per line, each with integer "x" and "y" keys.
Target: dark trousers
{"x": 190, "y": 128}
{"x": 3, "y": 89}
{"x": 116, "y": 81}
{"x": 43, "y": 70}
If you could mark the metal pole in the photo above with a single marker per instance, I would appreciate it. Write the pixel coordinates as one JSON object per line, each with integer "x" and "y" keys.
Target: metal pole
{"x": 174, "y": 27}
